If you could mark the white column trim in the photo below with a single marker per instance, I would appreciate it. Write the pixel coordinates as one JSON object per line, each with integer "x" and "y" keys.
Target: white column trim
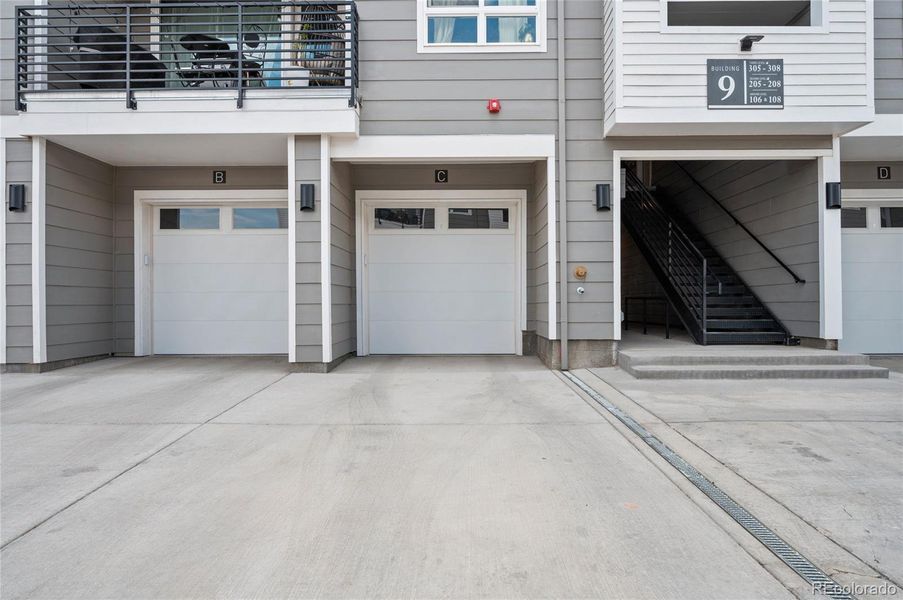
{"x": 830, "y": 258}
{"x": 292, "y": 256}
{"x": 551, "y": 199}
{"x": 3, "y": 211}
{"x": 616, "y": 191}
{"x": 38, "y": 250}
{"x": 326, "y": 247}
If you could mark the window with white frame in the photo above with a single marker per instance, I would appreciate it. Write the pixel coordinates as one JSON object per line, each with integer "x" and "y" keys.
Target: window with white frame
{"x": 772, "y": 15}
{"x": 481, "y": 25}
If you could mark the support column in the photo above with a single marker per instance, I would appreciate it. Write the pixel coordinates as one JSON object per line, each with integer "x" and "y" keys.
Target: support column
{"x": 326, "y": 246}
{"x": 38, "y": 249}
{"x": 292, "y": 253}
{"x": 830, "y": 291}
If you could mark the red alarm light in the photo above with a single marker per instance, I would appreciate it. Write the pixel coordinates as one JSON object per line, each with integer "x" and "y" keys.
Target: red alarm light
{"x": 494, "y": 106}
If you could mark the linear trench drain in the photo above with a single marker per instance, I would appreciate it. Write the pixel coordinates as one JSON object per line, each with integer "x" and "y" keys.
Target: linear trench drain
{"x": 793, "y": 559}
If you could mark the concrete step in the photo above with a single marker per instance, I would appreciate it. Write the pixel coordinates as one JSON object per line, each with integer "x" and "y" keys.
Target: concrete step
{"x": 743, "y": 324}
{"x": 778, "y": 357}
{"x": 758, "y": 372}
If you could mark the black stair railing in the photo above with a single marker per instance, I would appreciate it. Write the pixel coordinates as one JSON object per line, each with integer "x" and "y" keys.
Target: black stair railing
{"x": 697, "y": 183}
{"x": 674, "y": 256}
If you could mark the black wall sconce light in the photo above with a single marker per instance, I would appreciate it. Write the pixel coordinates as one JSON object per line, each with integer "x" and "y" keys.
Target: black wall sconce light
{"x": 747, "y": 42}
{"x": 17, "y": 197}
{"x": 306, "y": 196}
{"x": 832, "y": 194}
{"x": 603, "y": 196}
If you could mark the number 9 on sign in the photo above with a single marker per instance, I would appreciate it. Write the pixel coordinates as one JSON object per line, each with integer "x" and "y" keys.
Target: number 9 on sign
{"x": 728, "y": 85}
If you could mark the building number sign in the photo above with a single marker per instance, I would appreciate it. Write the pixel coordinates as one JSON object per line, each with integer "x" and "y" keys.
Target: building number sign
{"x": 748, "y": 83}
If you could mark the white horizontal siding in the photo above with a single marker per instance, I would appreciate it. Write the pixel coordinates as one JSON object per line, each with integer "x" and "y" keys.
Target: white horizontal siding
{"x": 827, "y": 72}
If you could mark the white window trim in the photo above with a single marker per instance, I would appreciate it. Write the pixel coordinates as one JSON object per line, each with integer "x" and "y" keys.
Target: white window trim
{"x": 146, "y": 202}
{"x": 821, "y": 10}
{"x": 368, "y": 200}
{"x": 481, "y": 12}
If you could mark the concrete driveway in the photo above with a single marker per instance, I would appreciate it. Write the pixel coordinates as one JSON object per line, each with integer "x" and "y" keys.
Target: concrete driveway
{"x": 393, "y": 477}
{"x": 820, "y": 461}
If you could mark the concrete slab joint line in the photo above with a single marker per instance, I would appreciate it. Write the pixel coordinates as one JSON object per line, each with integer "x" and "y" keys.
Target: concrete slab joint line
{"x": 780, "y": 548}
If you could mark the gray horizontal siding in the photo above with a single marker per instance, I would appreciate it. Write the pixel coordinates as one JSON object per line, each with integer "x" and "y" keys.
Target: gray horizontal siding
{"x": 7, "y": 58}
{"x": 343, "y": 250}
{"x": 864, "y": 175}
{"x": 129, "y": 179}
{"x": 449, "y": 93}
{"x": 308, "y": 290}
{"x": 889, "y": 56}
{"x": 79, "y": 255}
{"x": 778, "y": 202}
{"x": 18, "y": 256}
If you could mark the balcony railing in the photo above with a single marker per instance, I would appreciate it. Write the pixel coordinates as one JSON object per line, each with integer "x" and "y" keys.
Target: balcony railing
{"x": 246, "y": 45}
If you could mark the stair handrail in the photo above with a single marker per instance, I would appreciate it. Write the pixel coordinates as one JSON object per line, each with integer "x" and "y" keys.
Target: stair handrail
{"x": 635, "y": 184}
{"x": 697, "y": 183}
{"x": 679, "y": 259}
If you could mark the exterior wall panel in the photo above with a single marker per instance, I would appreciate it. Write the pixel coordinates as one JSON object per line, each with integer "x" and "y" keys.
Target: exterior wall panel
{"x": 662, "y": 77}
{"x": 79, "y": 255}
{"x": 889, "y": 56}
{"x": 436, "y": 94}
{"x": 344, "y": 299}
{"x": 308, "y": 299}
{"x": 18, "y": 257}
{"x": 864, "y": 175}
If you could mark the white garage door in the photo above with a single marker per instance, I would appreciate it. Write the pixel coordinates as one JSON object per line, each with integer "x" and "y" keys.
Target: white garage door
{"x": 220, "y": 280}
{"x": 442, "y": 279}
{"x": 872, "y": 277}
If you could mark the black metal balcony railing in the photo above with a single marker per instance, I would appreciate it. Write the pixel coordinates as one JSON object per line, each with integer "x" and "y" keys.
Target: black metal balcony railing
{"x": 240, "y": 45}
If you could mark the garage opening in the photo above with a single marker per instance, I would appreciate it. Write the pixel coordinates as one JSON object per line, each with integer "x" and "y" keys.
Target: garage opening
{"x": 872, "y": 241}
{"x": 214, "y": 273}
{"x": 444, "y": 273}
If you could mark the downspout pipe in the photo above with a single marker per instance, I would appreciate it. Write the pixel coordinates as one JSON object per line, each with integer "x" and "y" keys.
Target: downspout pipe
{"x": 562, "y": 192}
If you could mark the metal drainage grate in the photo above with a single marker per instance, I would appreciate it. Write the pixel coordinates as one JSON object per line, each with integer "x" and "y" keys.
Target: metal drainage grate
{"x": 793, "y": 559}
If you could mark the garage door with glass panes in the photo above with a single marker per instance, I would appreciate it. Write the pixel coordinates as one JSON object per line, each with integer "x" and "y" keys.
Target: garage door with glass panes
{"x": 872, "y": 239}
{"x": 220, "y": 280}
{"x": 441, "y": 278}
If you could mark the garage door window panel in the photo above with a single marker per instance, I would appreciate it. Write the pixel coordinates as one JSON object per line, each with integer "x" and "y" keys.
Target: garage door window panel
{"x": 260, "y": 218}
{"x": 189, "y": 218}
{"x": 478, "y": 218}
{"x": 891, "y": 217}
{"x": 404, "y": 218}
{"x": 853, "y": 218}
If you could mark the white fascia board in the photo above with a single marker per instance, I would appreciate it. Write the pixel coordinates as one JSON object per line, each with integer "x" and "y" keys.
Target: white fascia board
{"x": 185, "y": 120}
{"x": 884, "y": 125}
{"x": 665, "y": 122}
{"x": 409, "y": 148}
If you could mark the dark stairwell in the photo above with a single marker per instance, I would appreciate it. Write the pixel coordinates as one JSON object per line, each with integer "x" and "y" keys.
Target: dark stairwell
{"x": 713, "y": 303}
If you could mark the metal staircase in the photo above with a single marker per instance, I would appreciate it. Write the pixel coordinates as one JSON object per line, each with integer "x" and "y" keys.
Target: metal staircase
{"x": 711, "y": 300}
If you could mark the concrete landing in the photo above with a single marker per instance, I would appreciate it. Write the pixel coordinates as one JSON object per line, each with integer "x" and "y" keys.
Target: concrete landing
{"x": 653, "y": 357}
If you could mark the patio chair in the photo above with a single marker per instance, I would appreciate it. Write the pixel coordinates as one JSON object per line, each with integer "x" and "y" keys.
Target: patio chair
{"x": 318, "y": 44}
{"x": 102, "y": 54}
